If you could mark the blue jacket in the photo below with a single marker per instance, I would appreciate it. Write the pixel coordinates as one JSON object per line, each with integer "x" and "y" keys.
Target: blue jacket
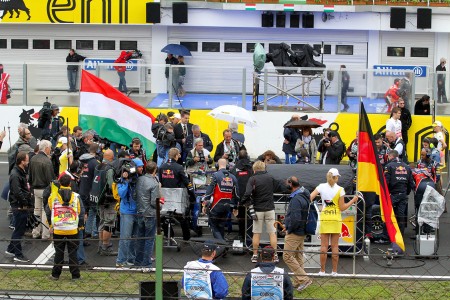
{"x": 297, "y": 212}
{"x": 127, "y": 203}
{"x": 219, "y": 283}
{"x": 267, "y": 267}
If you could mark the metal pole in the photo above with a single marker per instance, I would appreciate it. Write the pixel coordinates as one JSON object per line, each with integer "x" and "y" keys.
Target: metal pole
{"x": 265, "y": 89}
{"x": 159, "y": 254}
{"x": 244, "y": 87}
{"x": 25, "y": 85}
{"x": 321, "y": 80}
{"x": 170, "y": 84}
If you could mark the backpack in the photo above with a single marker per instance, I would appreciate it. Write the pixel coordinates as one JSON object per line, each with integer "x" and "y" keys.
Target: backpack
{"x": 45, "y": 114}
{"x": 100, "y": 191}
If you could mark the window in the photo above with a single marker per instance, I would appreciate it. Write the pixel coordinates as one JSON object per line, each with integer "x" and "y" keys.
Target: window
{"x": 106, "y": 45}
{"x": 211, "y": 47}
{"x": 251, "y": 47}
{"x": 344, "y": 49}
{"x": 85, "y": 44}
{"x": 128, "y": 45}
{"x": 3, "y": 43}
{"x": 419, "y": 52}
{"x": 233, "y": 47}
{"x": 192, "y": 46}
{"x": 41, "y": 44}
{"x": 297, "y": 47}
{"x": 396, "y": 51}
{"x": 326, "y": 48}
{"x": 63, "y": 44}
{"x": 19, "y": 44}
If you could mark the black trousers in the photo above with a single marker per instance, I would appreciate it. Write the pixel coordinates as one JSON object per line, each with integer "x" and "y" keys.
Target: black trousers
{"x": 400, "y": 206}
{"x": 60, "y": 242}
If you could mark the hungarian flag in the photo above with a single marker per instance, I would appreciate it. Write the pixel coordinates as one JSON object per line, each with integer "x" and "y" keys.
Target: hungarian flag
{"x": 371, "y": 179}
{"x": 112, "y": 114}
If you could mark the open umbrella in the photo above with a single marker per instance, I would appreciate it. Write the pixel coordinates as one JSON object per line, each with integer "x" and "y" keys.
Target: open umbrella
{"x": 176, "y": 49}
{"x": 302, "y": 124}
{"x": 233, "y": 113}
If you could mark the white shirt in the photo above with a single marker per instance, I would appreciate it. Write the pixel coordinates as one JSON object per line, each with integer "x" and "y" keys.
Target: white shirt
{"x": 394, "y": 126}
{"x": 439, "y": 136}
{"x": 327, "y": 192}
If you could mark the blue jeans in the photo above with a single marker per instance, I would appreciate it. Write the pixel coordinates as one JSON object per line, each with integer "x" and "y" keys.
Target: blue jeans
{"x": 72, "y": 76}
{"x": 20, "y": 224}
{"x": 91, "y": 223}
{"x": 217, "y": 225}
{"x": 81, "y": 257}
{"x": 146, "y": 242}
{"x": 290, "y": 159}
{"x": 122, "y": 82}
{"x": 128, "y": 231}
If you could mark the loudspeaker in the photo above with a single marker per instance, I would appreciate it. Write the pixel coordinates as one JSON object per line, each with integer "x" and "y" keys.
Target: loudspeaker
{"x": 281, "y": 20}
{"x": 267, "y": 19}
{"x": 180, "y": 12}
{"x": 153, "y": 12}
{"x": 295, "y": 21}
{"x": 424, "y": 18}
{"x": 308, "y": 21}
{"x": 398, "y": 17}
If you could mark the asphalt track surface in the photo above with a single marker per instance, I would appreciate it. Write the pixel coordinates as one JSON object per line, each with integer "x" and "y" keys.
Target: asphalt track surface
{"x": 38, "y": 252}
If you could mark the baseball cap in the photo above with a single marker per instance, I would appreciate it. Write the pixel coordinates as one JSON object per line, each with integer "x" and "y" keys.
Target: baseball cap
{"x": 177, "y": 115}
{"x": 54, "y": 106}
{"x": 267, "y": 253}
{"x": 437, "y": 123}
{"x": 332, "y": 133}
{"x": 334, "y": 172}
{"x": 62, "y": 140}
{"x": 138, "y": 162}
{"x": 209, "y": 245}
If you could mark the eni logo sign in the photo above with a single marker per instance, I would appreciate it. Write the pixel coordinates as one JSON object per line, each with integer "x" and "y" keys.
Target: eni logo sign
{"x": 389, "y": 70}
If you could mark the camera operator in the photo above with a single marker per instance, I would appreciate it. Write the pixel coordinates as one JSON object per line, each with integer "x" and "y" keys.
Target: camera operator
{"x": 83, "y": 145}
{"x": 332, "y": 149}
{"x": 172, "y": 175}
{"x": 52, "y": 126}
{"x": 136, "y": 150}
{"x": 128, "y": 212}
{"x": 165, "y": 140}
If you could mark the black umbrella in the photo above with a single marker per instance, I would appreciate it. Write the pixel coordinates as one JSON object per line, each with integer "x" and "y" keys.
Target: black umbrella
{"x": 302, "y": 124}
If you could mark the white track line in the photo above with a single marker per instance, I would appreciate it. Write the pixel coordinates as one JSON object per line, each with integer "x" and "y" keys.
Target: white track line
{"x": 45, "y": 255}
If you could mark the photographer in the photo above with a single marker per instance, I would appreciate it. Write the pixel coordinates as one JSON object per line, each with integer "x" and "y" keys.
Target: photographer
{"x": 228, "y": 149}
{"x": 332, "y": 149}
{"x": 198, "y": 156}
{"x": 128, "y": 211}
{"x": 165, "y": 139}
{"x": 52, "y": 126}
{"x": 136, "y": 150}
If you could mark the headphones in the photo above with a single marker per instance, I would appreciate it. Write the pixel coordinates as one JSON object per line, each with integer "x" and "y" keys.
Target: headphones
{"x": 293, "y": 182}
{"x": 136, "y": 140}
{"x": 427, "y": 140}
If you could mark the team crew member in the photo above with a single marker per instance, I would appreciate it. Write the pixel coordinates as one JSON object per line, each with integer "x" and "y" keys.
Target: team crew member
{"x": 172, "y": 175}
{"x": 381, "y": 149}
{"x": 400, "y": 183}
{"x": 224, "y": 190}
{"x": 202, "y": 279}
{"x": 267, "y": 280}
{"x": 21, "y": 201}
{"x": 136, "y": 151}
{"x": 67, "y": 217}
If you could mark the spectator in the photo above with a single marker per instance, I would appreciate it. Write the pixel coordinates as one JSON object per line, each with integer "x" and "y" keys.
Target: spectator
{"x": 40, "y": 176}
{"x": 307, "y": 141}
{"x": 137, "y": 151}
{"x": 333, "y": 149}
{"x": 431, "y": 143}
{"x": 303, "y": 157}
{"x": 170, "y": 60}
{"x": 405, "y": 119}
{"x": 442, "y": 97}
{"x": 72, "y": 69}
{"x": 198, "y": 156}
{"x": 174, "y": 118}
{"x": 330, "y": 218}
{"x": 147, "y": 193}
{"x": 67, "y": 217}
{"x": 344, "y": 88}
{"x": 396, "y": 143}
{"x": 121, "y": 69}
{"x": 404, "y": 89}
{"x": 202, "y": 279}
{"x": 267, "y": 279}
{"x": 182, "y": 130}
{"x": 295, "y": 228}
{"x": 290, "y": 138}
{"x": 76, "y": 137}
{"x": 196, "y": 133}
{"x": 164, "y": 143}
{"x": 269, "y": 155}
{"x": 83, "y": 145}
{"x": 440, "y": 136}
{"x": 391, "y": 97}
{"x": 422, "y": 106}
{"x": 22, "y": 145}
{"x": 224, "y": 191}
{"x": 394, "y": 124}
{"x": 66, "y": 157}
{"x": 181, "y": 76}
{"x": 259, "y": 193}
{"x": 21, "y": 202}
{"x": 228, "y": 149}
{"x": 5, "y": 92}
{"x": 235, "y": 135}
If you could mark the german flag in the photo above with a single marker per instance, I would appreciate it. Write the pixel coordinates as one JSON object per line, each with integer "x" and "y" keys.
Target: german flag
{"x": 371, "y": 179}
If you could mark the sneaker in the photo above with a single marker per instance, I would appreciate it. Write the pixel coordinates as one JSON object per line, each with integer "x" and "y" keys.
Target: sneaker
{"x": 10, "y": 254}
{"x": 129, "y": 264}
{"x": 275, "y": 258}
{"x": 334, "y": 274}
{"x": 21, "y": 258}
{"x": 51, "y": 277}
{"x": 11, "y": 227}
{"x": 108, "y": 252}
{"x": 303, "y": 286}
{"x": 321, "y": 273}
{"x": 254, "y": 258}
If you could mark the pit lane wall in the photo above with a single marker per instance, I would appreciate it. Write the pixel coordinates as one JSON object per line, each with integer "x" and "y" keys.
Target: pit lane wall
{"x": 268, "y": 134}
